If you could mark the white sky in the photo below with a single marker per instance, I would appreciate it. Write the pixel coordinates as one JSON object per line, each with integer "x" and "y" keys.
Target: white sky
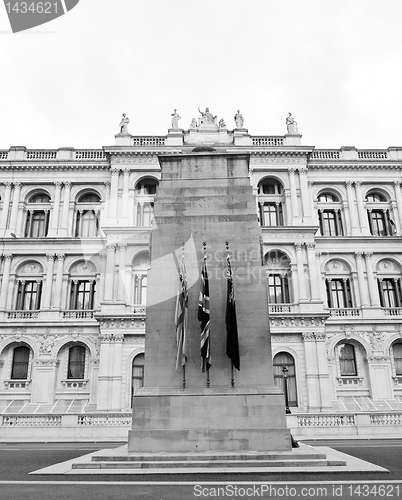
{"x": 335, "y": 64}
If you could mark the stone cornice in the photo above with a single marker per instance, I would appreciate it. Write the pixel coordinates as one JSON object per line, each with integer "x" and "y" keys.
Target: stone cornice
{"x": 322, "y": 165}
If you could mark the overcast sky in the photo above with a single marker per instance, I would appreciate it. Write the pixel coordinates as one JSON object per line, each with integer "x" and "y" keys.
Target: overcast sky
{"x": 335, "y": 64}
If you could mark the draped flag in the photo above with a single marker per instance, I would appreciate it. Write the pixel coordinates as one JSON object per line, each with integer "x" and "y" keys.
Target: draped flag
{"x": 232, "y": 339}
{"x": 203, "y": 318}
{"x": 181, "y": 317}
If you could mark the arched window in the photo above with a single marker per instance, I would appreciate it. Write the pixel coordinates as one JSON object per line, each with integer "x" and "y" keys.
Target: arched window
{"x": 29, "y": 287}
{"x": 284, "y": 359}
{"x": 137, "y": 374}
{"x": 145, "y": 192}
{"x": 270, "y": 202}
{"x": 329, "y": 214}
{"x": 339, "y": 288}
{"x": 278, "y": 268}
{"x": 378, "y": 212}
{"x": 397, "y": 357}
{"x": 20, "y": 363}
{"x": 82, "y": 286}
{"x": 87, "y": 216}
{"x": 38, "y": 215}
{"x": 389, "y": 285}
{"x": 347, "y": 360}
{"x": 76, "y": 362}
{"x": 140, "y": 269}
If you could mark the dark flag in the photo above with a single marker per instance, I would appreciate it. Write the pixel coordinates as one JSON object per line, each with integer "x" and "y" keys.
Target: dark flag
{"x": 181, "y": 316}
{"x": 204, "y": 319}
{"x": 232, "y": 339}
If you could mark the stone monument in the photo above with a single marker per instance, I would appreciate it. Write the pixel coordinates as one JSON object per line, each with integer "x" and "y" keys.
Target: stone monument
{"x": 204, "y": 201}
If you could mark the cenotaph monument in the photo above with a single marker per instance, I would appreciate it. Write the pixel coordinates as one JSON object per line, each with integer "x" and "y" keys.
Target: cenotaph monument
{"x": 205, "y": 202}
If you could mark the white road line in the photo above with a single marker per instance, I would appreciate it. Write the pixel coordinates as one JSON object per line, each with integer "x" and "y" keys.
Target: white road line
{"x": 192, "y": 483}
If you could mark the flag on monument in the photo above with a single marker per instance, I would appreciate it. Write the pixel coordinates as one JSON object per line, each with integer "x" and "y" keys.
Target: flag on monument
{"x": 203, "y": 318}
{"x": 181, "y": 317}
{"x": 232, "y": 339}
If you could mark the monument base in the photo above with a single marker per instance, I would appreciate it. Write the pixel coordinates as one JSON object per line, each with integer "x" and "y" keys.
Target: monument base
{"x": 230, "y": 421}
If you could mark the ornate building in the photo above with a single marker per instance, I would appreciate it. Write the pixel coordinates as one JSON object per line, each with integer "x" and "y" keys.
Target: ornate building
{"x": 76, "y": 226}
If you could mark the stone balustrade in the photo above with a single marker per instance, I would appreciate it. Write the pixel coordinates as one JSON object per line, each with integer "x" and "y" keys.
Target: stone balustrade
{"x": 344, "y": 312}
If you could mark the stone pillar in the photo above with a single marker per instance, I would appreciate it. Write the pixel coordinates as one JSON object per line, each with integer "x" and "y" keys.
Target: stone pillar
{"x": 126, "y": 184}
{"x": 59, "y": 281}
{"x": 360, "y": 278}
{"x": 373, "y": 289}
{"x": 110, "y": 371}
{"x": 47, "y": 293}
{"x": 19, "y": 230}
{"x": 395, "y": 216}
{"x": 305, "y": 198}
{"x": 353, "y": 216}
{"x": 314, "y": 272}
{"x": 105, "y": 214}
{"x": 398, "y": 197}
{"x": 323, "y": 371}
{"x": 65, "y": 304}
{"x": 72, "y": 219}
{"x": 109, "y": 278}
{"x": 295, "y": 284}
{"x": 288, "y": 204}
{"x": 122, "y": 272}
{"x": 312, "y": 373}
{"x": 293, "y": 197}
{"x": 361, "y": 210}
{"x": 300, "y": 271}
{"x": 348, "y": 222}
{"x": 56, "y": 210}
{"x": 6, "y": 206}
{"x": 14, "y": 208}
{"x": 131, "y": 221}
{"x": 43, "y": 380}
{"x": 114, "y": 191}
{"x": 63, "y": 231}
{"x": 101, "y": 290}
{"x": 5, "y": 282}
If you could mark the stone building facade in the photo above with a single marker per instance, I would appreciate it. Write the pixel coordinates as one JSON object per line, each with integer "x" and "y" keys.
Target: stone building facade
{"x": 76, "y": 226}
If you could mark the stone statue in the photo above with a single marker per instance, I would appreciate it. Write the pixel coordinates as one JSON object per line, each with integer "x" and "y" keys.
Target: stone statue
{"x": 175, "y": 119}
{"x": 291, "y": 125}
{"x": 222, "y": 123}
{"x": 239, "y": 120}
{"x": 124, "y": 124}
{"x": 207, "y": 117}
{"x": 193, "y": 123}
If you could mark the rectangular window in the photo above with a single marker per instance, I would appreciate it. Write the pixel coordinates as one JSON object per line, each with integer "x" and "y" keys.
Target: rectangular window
{"x": 397, "y": 353}
{"x": 82, "y": 295}
{"x": 379, "y": 223}
{"x": 347, "y": 360}
{"x": 278, "y": 289}
{"x": 37, "y": 224}
{"x": 29, "y": 295}
{"x": 76, "y": 362}
{"x": 271, "y": 214}
{"x": 339, "y": 294}
{"x": 140, "y": 289}
{"x": 20, "y": 364}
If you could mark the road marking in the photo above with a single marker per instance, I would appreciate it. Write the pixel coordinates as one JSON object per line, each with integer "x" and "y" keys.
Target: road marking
{"x": 192, "y": 483}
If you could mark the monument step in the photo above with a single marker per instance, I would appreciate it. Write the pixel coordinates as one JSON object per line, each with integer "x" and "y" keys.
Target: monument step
{"x": 207, "y": 457}
{"x": 211, "y": 464}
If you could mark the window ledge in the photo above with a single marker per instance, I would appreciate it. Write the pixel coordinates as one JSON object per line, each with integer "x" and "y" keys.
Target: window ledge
{"x": 349, "y": 381}
{"x": 74, "y": 384}
{"x": 17, "y": 384}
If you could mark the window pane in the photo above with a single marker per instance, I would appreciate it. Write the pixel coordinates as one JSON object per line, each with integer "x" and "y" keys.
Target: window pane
{"x": 19, "y": 369}
{"x": 397, "y": 352}
{"x": 280, "y": 360}
{"x": 137, "y": 374}
{"x": 347, "y": 360}
{"x": 76, "y": 362}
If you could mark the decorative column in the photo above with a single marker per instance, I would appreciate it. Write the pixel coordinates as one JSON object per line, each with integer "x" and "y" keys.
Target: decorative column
{"x": 105, "y": 213}
{"x": 19, "y": 230}
{"x": 14, "y": 208}
{"x": 360, "y": 278}
{"x": 310, "y": 195}
{"x": 288, "y": 203}
{"x": 361, "y": 210}
{"x": 300, "y": 271}
{"x": 101, "y": 290}
{"x": 373, "y": 290}
{"x": 305, "y": 198}
{"x": 395, "y": 229}
{"x": 6, "y": 206}
{"x": 49, "y": 282}
{"x": 352, "y": 211}
{"x": 312, "y": 372}
{"x": 110, "y": 369}
{"x": 398, "y": 197}
{"x": 295, "y": 284}
{"x": 323, "y": 371}
{"x": 126, "y": 183}
{"x": 114, "y": 191}
{"x": 109, "y": 279}
{"x": 348, "y": 223}
{"x": 56, "y": 210}
{"x": 131, "y": 221}
{"x": 59, "y": 281}
{"x": 293, "y": 197}
{"x": 63, "y": 231}
{"x": 5, "y": 282}
{"x": 122, "y": 272}
{"x": 314, "y": 272}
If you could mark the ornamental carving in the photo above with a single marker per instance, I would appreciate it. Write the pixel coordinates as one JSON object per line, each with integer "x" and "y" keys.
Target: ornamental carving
{"x": 387, "y": 266}
{"x": 152, "y": 160}
{"x": 46, "y": 362}
{"x": 284, "y": 161}
{"x": 289, "y": 322}
{"x": 46, "y": 343}
{"x": 285, "y": 339}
